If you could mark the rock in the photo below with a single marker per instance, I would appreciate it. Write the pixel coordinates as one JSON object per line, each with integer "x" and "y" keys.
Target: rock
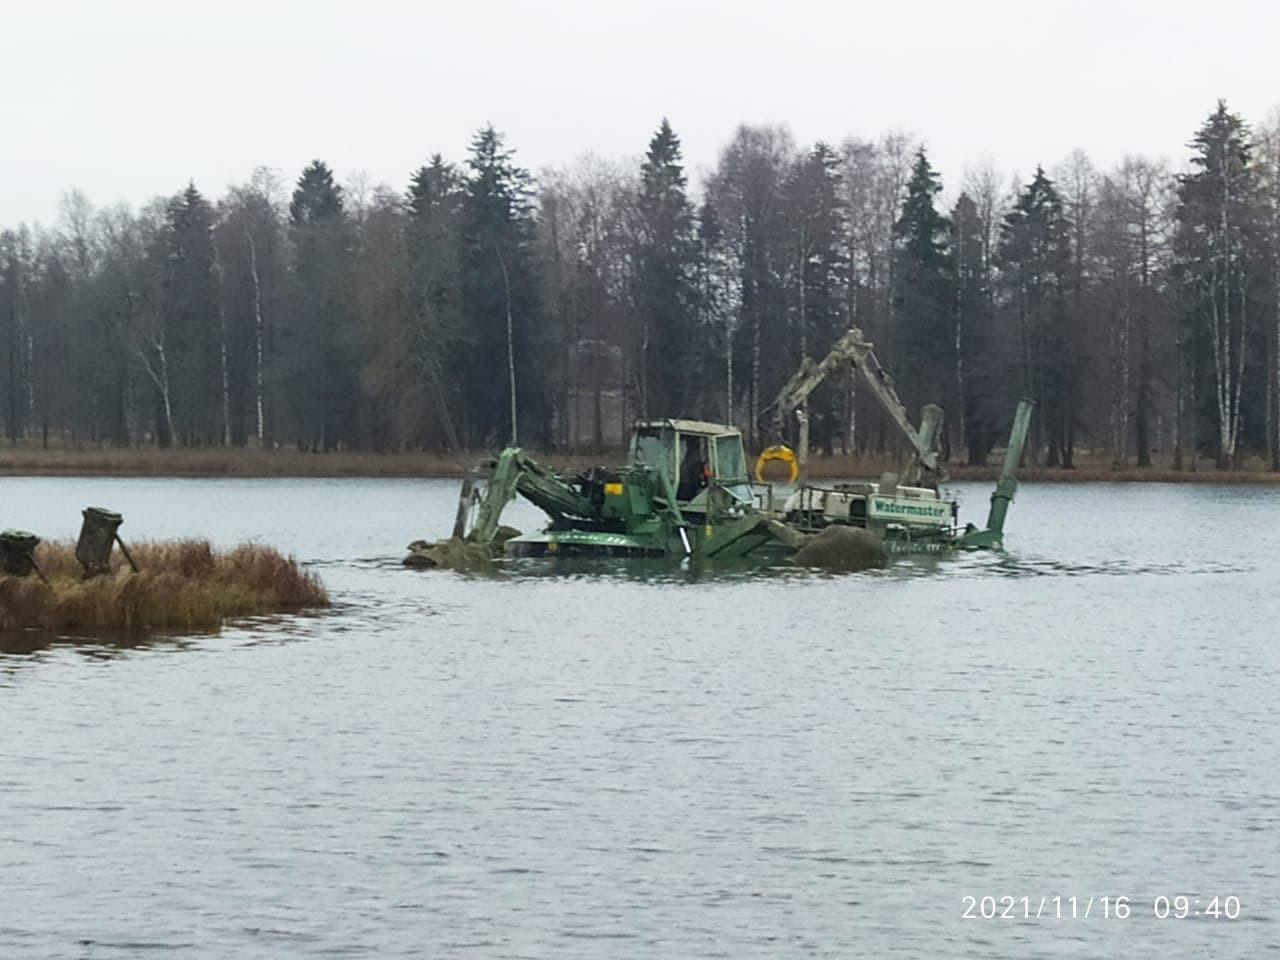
{"x": 500, "y": 538}
{"x": 844, "y": 548}
{"x": 457, "y": 553}
{"x": 451, "y": 554}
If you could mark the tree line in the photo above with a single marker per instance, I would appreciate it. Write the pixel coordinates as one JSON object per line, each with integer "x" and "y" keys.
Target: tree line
{"x": 1139, "y": 306}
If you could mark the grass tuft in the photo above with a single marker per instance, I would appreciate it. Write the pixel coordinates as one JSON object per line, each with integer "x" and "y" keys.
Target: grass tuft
{"x": 182, "y": 584}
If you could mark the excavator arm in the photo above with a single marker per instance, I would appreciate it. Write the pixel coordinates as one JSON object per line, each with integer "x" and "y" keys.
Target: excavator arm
{"x": 515, "y": 472}
{"x": 853, "y": 349}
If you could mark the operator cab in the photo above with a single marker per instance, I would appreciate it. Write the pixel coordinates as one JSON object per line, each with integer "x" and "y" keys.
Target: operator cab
{"x": 693, "y": 456}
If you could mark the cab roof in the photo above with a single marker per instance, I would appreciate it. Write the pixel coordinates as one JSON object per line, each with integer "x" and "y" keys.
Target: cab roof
{"x": 702, "y": 427}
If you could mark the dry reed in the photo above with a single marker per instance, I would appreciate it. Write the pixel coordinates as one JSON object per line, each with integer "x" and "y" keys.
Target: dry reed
{"x": 26, "y": 458}
{"x": 182, "y": 584}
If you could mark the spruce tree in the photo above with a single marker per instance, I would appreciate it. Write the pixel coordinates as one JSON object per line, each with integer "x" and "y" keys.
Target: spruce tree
{"x": 14, "y": 355}
{"x": 435, "y": 284}
{"x": 1221, "y": 262}
{"x": 191, "y": 319}
{"x": 1035, "y": 258}
{"x": 500, "y": 305}
{"x": 924, "y": 354}
{"x": 664, "y": 287}
{"x": 975, "y": 373}
{"x": 321, "y": 335}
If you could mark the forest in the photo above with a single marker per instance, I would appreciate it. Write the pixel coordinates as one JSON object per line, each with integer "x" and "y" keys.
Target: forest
{"x": 478, "y": 305}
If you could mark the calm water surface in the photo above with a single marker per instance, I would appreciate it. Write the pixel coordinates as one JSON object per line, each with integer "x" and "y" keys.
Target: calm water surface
{"x": 656, "y": 764}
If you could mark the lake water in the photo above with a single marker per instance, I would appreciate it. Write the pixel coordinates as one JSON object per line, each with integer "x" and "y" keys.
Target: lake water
{"x": 656, "y": 764}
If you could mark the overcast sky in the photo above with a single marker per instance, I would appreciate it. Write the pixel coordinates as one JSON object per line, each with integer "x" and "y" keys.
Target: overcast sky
{"x": 129, "y": 99}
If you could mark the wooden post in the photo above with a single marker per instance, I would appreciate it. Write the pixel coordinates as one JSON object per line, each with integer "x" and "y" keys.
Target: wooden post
{"x": 127, "y": 555}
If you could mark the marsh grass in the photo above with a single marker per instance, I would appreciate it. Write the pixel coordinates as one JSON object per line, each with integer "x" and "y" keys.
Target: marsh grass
{"x": 182, "y": 584}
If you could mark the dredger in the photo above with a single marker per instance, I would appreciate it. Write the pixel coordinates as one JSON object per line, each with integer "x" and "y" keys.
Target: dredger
{"x": 686, "y": 491}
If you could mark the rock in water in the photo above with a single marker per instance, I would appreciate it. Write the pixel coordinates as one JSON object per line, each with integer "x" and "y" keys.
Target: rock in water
{"x": 500, "y": 538}
{"x": 452, "y": 554}
{"x": 459, "y": 553}
{"x": 843, "y": 548}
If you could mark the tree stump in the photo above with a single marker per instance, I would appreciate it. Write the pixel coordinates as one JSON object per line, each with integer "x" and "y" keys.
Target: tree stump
{"x": 97, "y": 536}
{"x": 17, "y": 549}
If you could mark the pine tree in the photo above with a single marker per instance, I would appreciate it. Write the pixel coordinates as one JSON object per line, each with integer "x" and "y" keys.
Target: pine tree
{"x": 664, "y": 292}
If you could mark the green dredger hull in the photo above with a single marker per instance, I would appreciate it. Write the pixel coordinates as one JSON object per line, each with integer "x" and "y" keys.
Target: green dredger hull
{"x": 638, "y": 511}
{"x": 748, "y": 537}
{"x": 753, "y": 545}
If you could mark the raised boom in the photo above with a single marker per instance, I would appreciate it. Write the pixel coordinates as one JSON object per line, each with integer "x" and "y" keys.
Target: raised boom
{"x": 855, "y": 350}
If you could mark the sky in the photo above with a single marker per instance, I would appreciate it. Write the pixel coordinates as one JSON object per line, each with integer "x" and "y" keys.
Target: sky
{"x": 129, "y": 99}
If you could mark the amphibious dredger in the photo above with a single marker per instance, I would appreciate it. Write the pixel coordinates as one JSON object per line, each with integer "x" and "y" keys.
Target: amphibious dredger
{"x": 685, "y": 491}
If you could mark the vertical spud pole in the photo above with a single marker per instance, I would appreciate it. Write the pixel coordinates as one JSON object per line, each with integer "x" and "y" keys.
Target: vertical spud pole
{"x": 1007, "y": 485}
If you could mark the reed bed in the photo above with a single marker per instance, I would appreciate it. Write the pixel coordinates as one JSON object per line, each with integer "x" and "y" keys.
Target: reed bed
{"x": 24, "y": 459}
{"x": 182, "y": 584}
{"x": 30, "y": 459}
{"x": 1090, "y": 468}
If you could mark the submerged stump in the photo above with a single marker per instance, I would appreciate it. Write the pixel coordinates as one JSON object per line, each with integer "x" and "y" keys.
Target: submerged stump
{"x": 843, "y": 548}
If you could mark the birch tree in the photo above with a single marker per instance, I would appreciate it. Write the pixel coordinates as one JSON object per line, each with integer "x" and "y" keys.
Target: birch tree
{"x": 1216, "y": 230}
{"x": 719, "y": 297}
{"x": 746, "y": 191}
{"x": 252, "y": 253}
{"x": 874, "y": 178}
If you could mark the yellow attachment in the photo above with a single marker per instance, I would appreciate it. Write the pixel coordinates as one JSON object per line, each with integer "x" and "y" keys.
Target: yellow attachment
{"x": 613, "y": 489}
{"x": 777, "y": 452}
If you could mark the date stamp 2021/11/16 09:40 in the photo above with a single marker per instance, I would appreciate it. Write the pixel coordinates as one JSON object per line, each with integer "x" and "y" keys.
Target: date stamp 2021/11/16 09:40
{"x": 1107, "y": 907}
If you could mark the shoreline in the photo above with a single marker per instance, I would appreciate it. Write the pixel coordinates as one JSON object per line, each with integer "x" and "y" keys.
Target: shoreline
{"x": 251, "y": 463}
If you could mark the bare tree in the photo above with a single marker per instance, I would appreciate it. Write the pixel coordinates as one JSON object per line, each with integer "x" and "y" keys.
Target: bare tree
{"x": 259, "y": 419}
{"x": 746, "y": 191}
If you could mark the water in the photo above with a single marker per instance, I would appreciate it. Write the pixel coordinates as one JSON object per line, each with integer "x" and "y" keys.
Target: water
{"x": 587, "y": 764}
